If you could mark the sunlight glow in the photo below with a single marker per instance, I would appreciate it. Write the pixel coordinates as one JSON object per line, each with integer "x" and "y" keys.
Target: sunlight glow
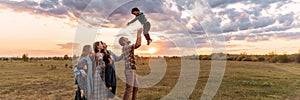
{"x": 152, "y": 50}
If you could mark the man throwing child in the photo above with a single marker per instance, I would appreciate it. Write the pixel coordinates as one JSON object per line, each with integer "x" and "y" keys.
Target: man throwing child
{"x": 130, "y": 67}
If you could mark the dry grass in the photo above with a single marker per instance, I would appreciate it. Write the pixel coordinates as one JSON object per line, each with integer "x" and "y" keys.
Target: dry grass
{"x": 242, "y": 80}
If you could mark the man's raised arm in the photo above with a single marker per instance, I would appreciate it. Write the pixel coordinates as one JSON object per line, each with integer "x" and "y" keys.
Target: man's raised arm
{"x": 138, "y": 38}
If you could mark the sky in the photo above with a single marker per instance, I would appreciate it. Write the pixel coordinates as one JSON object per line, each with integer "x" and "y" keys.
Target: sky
{"x": 58, "y": 27}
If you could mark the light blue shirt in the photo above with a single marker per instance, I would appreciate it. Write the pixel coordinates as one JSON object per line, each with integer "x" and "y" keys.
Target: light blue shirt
{"x": 88, "y": 62}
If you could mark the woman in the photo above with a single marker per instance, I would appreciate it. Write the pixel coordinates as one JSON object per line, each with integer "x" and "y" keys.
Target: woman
{"x": 110, "y": 74}
{"x": 99, "y": 75}
{"x": 85, "y": 81}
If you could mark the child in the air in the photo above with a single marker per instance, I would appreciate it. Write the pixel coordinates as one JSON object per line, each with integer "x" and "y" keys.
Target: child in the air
{"x": 143, "y": 20}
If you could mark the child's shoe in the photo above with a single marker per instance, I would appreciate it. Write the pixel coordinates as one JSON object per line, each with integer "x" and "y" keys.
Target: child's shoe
{"x": 149, "y": 40}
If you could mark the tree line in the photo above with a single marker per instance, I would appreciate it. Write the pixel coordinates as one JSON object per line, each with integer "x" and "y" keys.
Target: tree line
{"x": 26, "y": 58}
{"x": 271, "y": 57}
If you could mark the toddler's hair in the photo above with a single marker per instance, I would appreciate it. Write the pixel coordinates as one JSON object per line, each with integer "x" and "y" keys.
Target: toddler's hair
{"x": 134, "y": 9}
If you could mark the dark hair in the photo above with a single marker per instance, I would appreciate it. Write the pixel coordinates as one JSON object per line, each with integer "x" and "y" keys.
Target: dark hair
{"x": 134, "y": 9}
{"x": 95, "y": 46}
{"x": 101, "y": 42}
{"x": 106, "y": 56}
{"x": 106, "y": 59}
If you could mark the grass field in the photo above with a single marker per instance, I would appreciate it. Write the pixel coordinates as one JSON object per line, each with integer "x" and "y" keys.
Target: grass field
{"x": 242, "y": 80}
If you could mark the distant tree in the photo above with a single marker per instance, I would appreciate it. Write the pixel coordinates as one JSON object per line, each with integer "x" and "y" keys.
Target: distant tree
{"x": 273, "y": 59}
{"x": 49, "y": 58}
{"x": 6, "y": 59}
{"x": 25, "y": 57}
{"x": 57, "y": 58}
{"x": 66, "y": 57}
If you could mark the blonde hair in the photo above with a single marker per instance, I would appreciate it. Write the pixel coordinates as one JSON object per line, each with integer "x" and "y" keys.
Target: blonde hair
{"x": 86, "y": 50}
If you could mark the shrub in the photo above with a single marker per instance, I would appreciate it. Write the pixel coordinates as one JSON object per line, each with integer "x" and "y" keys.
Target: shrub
{"x": 66, "y": 65}
{"x": 25, "y": 57}
{"x": 254, "y": 59}
{"x": 218, "y": 56}
{"x": 247, "y": 59}
{"x": 235, "y": 57}
{"x": 261, "y": 59}
{"x": 239, "y": 58}
{"x": 297, "y": 58}
{"x": 230, "y": 58}
{"x": 205, "y": 58}
{"x": 283, "y": 59}
{"x": 273, "y": 59}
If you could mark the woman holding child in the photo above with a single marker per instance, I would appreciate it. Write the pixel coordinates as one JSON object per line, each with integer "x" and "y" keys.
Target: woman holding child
{"x": 85, "y": 81}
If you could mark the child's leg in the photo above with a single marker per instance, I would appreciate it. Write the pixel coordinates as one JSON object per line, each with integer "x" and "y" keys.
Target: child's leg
{"x": 146, "y": 30}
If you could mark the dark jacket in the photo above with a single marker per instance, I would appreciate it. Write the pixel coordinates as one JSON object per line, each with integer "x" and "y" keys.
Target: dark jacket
{"x": 110, "y": 75}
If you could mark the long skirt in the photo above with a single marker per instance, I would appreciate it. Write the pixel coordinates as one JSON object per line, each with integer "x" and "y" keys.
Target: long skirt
{"x": 100, "y": 90}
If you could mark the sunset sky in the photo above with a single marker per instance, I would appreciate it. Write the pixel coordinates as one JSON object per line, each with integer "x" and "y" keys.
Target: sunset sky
{"x": 50, "y": 27}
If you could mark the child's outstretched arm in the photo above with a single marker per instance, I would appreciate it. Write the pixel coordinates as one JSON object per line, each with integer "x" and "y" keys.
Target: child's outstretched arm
{"x": 133, "y": 20}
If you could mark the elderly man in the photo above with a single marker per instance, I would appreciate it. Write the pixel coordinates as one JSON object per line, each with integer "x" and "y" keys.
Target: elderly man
{"x": 130, "y": 67}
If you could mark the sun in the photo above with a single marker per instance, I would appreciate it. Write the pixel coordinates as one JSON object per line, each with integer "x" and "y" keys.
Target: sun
{"x": 152, "y": 50}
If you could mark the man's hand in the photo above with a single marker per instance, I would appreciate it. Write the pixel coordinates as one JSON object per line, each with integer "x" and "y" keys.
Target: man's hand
{"x": 110, "y": 88}
{"x": 138, "y": 38}
{"x": 128, "y": 24}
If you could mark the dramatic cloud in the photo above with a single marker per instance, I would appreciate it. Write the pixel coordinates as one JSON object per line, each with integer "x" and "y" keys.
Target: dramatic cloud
{"x": 246, "y": 20}
{"x": 162, "y": 13}
{"x": 251, "y": 20}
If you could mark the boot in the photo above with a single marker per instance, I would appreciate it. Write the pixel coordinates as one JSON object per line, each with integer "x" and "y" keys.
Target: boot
{"x": 149, "y": 40}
